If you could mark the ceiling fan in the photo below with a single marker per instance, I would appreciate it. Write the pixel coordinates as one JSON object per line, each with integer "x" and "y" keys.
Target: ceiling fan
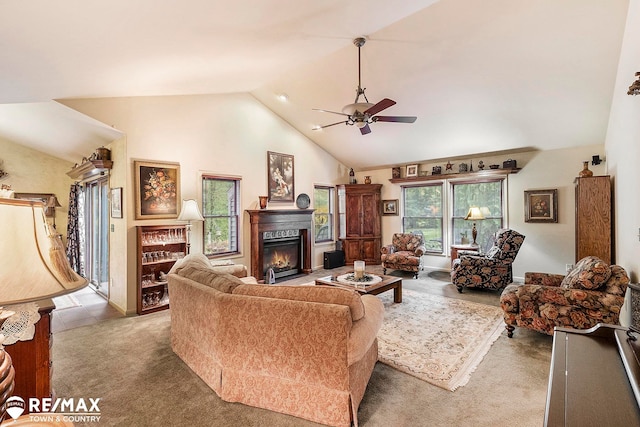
{"x": 362, "y": 114}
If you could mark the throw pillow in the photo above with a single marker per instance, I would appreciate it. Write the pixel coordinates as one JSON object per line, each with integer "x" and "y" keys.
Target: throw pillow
{"x": 322, "y": 294}
{"x": 590, "y": 273}
{"x": 191, "y": 259}
{"x": 222, "y": 282}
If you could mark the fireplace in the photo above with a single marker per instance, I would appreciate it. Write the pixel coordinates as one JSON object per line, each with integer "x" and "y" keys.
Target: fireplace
{"x": 282, "y": 254}
{"x": 281, "y": 240}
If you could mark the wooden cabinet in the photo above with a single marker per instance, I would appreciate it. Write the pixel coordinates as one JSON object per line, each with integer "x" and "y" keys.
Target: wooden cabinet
{"x": 359, "y": 220}
{"x": 594, "y": 218}
{"x": 32, "y": 358}
{"x": 159, "y": 247}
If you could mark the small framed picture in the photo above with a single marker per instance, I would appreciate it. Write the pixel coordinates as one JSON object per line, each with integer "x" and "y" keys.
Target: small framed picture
{"x": 116, "y": 202}
{"x": 541, "y": 205}
{"x": 390, "y": 207}
{"x": 412, "y": 170}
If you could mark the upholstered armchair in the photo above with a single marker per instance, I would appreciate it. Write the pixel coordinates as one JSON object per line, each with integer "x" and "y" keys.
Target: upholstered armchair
{"x": 404, "y": 253}
{"x": 491, "y": 270}
{"x": 592, "y": 293}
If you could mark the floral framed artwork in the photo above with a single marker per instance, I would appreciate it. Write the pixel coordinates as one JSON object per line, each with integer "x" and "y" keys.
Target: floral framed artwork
{"x": 541, "y": 205}
{"x": 412, "y": 170}
{"x": 280, "y": 176}
{"x": 157, "y": 189}
{"x": 390, "y": 207}
{"x": 116, "y": 202}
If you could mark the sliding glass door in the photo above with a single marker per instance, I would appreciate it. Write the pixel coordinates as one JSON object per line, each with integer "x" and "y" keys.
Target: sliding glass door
{"x": 96, "y": 210}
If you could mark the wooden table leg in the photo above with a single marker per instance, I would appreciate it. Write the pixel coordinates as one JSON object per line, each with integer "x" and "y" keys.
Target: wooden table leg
{"x": 397, "y": 292}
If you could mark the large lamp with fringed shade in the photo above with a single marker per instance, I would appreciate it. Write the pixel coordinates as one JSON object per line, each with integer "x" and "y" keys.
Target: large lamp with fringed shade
{"x": 33, "y": 262}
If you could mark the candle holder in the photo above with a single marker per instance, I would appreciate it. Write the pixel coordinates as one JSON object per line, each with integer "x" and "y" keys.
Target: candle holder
{"x": 358, "y": 269}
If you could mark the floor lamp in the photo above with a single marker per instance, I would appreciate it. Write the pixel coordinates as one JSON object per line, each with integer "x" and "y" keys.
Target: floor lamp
{"x": 33, "y": 266}
{"x": 190, "y": 212}
{"x": 474, "y": 215}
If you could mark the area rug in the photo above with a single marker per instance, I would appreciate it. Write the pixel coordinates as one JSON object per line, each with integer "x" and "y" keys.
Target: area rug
{"x": 437, "y": 339}
{"x": 66, "y": 301}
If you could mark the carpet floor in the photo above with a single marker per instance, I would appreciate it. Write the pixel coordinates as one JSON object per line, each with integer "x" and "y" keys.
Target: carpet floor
{"x": 129, "y": 365}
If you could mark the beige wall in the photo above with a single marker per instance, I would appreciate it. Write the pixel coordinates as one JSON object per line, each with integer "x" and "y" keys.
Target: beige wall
{"x": 548, "y": 246}
{"x": 623, "y": 153}
{"x": 222, "y": 134}
{"x": 32, "y": 171}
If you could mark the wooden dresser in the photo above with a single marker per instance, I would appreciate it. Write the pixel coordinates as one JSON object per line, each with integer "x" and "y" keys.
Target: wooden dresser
{"x": 594, "y": 218}
{"x": 32, "y": 359}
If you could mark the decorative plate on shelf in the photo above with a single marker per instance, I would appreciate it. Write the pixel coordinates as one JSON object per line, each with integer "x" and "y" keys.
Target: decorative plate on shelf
{"x": 303, "y": 201}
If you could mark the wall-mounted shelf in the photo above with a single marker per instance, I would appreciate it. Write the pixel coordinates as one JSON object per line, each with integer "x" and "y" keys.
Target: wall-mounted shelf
{"x": 473, "y": 175}
{"x": 90, "y": 168}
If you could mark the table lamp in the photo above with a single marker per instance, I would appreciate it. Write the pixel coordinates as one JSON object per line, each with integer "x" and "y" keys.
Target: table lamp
{"x": 33, "y": 262}
{"x": 190, "y": 212}
{"x": 52, "y": 204}
{"x": 474, "y": 215}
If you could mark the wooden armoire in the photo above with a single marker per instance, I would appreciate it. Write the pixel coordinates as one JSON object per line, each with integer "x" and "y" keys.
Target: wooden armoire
{"x": 594, "y": 218}
{"x": 360, "y": 225}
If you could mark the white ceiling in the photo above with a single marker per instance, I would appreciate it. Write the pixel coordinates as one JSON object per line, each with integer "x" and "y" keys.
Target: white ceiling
{"x": 481, "y": 76}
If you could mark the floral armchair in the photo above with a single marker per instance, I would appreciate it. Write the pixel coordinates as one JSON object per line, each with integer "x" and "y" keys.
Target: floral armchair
{"x": 404, "y": 253}
{"x": 491, "y": 270}
{"x": 592, "y": 293}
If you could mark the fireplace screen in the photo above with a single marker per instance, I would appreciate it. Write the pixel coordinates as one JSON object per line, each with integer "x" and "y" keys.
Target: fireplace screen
{"x": 283, "y": 256}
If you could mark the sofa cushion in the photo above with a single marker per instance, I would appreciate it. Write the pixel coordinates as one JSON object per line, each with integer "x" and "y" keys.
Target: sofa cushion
{"x": 321, "y": 294}
{"x": 618, "y": 282}
{"x": 589, "y": 273}
{"x": 209, "y": 277}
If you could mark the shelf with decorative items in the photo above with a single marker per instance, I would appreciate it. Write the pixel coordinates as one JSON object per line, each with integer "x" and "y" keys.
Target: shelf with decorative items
{"x": 474, "y": 175}
{"x": 159, "y": 247}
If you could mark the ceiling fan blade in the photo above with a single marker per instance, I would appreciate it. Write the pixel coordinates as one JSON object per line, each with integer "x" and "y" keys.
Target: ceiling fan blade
{"x": 382, "y": 105}
{"x": 329, "y": 111}
{"x": 332, "y": 124}
{"x": 365, "y": 129}
{"x": 395, "y": 119}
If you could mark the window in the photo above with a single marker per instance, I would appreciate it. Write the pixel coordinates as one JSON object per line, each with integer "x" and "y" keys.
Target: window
{"x": 486, "y": 195}
{"x": 323, "y": 214}
{"x": 423, "y": 214}
{"x": 220, "y": 200}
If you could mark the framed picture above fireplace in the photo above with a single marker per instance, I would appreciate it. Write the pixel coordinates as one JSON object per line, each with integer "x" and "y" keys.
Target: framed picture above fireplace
{"x": 280, "y": 177}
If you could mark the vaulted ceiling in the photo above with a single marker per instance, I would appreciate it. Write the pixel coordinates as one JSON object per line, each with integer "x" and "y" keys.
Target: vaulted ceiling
{"x": 495, "y": 75}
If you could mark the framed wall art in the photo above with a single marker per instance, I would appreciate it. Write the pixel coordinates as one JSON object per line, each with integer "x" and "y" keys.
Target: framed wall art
{"x": 280, "y": 176}
{"x": 157, "y": 189}
{"x": 541, "y": 205}
{"x": 390, "y": 207}
{"x": 412, "y": 170}
{"x": 116, "y": 202}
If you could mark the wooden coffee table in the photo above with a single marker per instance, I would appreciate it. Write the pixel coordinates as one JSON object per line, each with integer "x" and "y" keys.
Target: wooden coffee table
{"x": 388, "y": 283}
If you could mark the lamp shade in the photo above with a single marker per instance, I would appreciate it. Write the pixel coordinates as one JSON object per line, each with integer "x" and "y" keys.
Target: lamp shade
{"x": 474, "y": 214}
{"x": 33, "y": 262}
{"x": 190, "y": 211}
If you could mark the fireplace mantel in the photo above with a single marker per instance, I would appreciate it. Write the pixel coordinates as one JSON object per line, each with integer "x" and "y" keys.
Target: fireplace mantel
{"x": 274, "y": 220}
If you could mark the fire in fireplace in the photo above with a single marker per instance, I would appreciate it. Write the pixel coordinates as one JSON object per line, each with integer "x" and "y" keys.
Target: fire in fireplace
{"x": 282, "y": 253}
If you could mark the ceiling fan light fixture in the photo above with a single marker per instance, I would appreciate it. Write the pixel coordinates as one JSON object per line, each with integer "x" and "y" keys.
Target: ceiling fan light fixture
{"x": 360, "y": 107}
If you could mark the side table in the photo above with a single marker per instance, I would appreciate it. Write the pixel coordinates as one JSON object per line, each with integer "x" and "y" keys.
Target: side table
{"x": 456, "y": 248}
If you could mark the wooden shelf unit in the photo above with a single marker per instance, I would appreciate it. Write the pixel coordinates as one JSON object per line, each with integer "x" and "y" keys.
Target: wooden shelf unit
{"x": 360, "y": 224}
{"x": 153, "y": 295}
{"x": 473, "y": 175}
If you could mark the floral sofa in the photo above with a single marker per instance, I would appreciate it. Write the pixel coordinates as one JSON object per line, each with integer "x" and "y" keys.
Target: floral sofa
{"x": 306, "y": 351}
{"x": 404, "y": 253}
{"x": 593, "y": 292}
{"x": 491, "y": 270}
